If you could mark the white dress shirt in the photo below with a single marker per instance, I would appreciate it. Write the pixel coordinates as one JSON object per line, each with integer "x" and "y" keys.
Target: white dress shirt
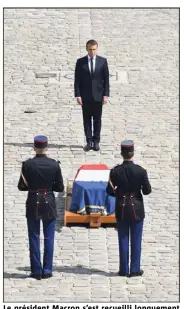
{"x": 89, "y": 63}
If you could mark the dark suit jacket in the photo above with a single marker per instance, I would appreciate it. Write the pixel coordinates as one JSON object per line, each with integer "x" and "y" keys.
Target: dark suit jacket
{"x": 91, "y": 87}
{"x": 129, "y": 179}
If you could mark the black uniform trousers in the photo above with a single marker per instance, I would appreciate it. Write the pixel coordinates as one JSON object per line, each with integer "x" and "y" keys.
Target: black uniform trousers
{"x": 92, "y": 111}
{"x": 34, "y": 245}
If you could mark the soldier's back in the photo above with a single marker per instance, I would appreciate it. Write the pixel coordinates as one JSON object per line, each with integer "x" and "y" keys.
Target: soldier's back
{"x": 129, "y": 176}
{"x": 40, "y": 172}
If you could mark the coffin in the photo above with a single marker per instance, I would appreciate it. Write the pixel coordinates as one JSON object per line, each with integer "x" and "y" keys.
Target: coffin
{"x": 86, "y": 198}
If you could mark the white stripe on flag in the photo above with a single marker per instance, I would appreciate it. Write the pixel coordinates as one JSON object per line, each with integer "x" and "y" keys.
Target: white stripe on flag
{"x": 93, "y": 175}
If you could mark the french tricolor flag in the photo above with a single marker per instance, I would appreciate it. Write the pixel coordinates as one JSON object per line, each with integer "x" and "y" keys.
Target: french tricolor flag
{"x": 89, "y": 191}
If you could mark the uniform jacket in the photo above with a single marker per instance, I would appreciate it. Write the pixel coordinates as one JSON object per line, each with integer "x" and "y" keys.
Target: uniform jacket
{"x": 127, "y": 182}
{"x": 91, "y": 87}
{"x": 40, "y": 176}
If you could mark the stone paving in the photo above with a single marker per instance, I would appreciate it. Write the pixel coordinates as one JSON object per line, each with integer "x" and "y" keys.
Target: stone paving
{"x": 40, "y": 50}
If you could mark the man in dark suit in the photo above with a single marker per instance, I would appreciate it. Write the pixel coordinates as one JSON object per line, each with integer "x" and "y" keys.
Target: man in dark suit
{"x": 92, "y": 91}
{"x": 40, "y": 176}
{"x": 126, "y": 182}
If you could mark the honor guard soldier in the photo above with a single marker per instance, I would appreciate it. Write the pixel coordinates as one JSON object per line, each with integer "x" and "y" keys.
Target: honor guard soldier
{"x": 126, "y": 181}
{"x": 40, "y": 176}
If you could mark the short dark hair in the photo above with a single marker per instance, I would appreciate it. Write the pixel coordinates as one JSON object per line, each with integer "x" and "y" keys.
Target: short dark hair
{"x": 91, "y": 42}
{"x": 127, "y": 155}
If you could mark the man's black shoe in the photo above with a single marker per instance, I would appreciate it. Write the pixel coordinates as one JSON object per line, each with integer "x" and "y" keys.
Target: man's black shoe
{"x": 123, "y": 274}
{"x": 136, "y": 274}
{"x": 37, "y": 277}
{"x": 88, "y": 147}
{"x": 46, "y": 276}
{"x": 96, "y": 147}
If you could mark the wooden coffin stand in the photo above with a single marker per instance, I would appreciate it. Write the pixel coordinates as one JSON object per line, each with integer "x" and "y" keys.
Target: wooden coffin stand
{"x": 94, "y": 220}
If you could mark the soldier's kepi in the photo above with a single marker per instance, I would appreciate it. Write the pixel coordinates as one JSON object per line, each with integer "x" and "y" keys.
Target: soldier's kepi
{"x": 40, "y": 141}
{"x": 127, "y": 146}
{"x": 127, "y": 182}
{"x": 40, "y": 176}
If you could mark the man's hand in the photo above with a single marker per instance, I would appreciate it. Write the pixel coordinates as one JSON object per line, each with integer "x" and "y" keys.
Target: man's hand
{"x": 79, "y": 100}
{"x": 105, "y": 100}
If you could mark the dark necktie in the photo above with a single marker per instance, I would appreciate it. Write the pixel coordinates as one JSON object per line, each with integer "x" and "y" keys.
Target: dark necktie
{"x": 92, "y": 70}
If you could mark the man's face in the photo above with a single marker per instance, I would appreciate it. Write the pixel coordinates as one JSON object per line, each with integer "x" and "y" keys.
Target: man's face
{"x": 92, "y": 50}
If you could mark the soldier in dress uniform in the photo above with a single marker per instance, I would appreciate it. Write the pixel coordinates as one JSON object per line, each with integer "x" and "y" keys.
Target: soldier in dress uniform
{"x": 40, "y": 176}
{"x": 126, "y": 181}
